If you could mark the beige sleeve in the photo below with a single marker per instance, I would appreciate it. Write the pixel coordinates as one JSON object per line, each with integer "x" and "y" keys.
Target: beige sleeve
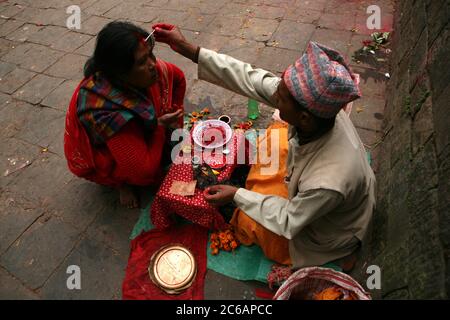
{"x": 237, "y": 76}
{"x": 287, "y": 217}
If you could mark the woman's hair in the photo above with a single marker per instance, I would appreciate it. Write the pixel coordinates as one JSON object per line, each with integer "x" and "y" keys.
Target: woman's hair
{"x": 114, "y": 51}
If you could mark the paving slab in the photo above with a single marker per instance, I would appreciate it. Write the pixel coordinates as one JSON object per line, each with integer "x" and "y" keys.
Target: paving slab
{"x": 68, "y": 67}
{"x": 79, "y": 202}
{"x": 5, "y": 99}
{"x": 114, "y": 224}
{"x": 6, "y": 68}
{"x": 258, "y": 29}
{"x": 139, "y": 13}
{"x": 60, "y": 97}
{"x": 101, "y": 273}
{"x": 40, "y": 250}
{"x": 10, "y": 26}
{"x": 37, "y": 88}
{"x": 93, "y": 25}
{"x": 13, "y": 289}
{"x": 70, "y": 41}
{"x": 10, "y": 11}
{"x": 15, "y": 79}
{"x": 373, "y": 82}
{"x": 48, "y": 35}
{"x": 6, "y": 46}
{"x": 243, "y": 49}
{"x": 368, "y": 113}
{"x": 195, "y": 20}
{"x": 285, "y": 58}
{"x": 293, "y": 35}
{"x": 336, "y": 39}
{"x": 344, "y": 21}
{"x": 30, "y": 129}
{"x": 33, "y": 57}
{"x": 17, "y": 214}
{"x": 226, "y": 26}
{"x": 253, "y": 11}
{"x": 14, "y": 155}
{"x": 101, "y": 7}
{"x": 23, "y": 33}
{"x": 87, "y": 49}
{"x": 300, "y": 14}
{"x": 42, "y": 180}
{"x": 220, "y": 287}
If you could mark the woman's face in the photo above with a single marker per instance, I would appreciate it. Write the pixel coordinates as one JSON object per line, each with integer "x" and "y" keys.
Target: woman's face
{"x": 144, "y": 73}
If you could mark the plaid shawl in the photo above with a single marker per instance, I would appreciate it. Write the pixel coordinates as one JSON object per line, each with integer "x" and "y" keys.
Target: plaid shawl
{"x": 104, "y": 109}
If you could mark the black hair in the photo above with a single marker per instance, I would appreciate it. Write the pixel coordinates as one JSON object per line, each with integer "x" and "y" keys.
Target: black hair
{"x": 114, "y": 51}
{"x": 323, "y": 124}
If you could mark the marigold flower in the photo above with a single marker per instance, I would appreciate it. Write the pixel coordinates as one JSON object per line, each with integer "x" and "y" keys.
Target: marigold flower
{"x": 234, "y": 244}
{"x": 222, "y": 236}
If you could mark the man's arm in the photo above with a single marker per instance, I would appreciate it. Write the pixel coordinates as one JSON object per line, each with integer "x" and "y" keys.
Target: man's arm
{"x": 221, "y": 69}
{"x": 287, "y": 217}
{"x": 237, "y": 76}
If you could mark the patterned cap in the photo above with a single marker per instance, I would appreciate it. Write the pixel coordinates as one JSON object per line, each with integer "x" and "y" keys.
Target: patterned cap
{"x": 321, "y": 81}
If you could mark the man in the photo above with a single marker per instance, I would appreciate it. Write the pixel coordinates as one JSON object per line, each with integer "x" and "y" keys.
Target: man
{"x": 331, "y": 187}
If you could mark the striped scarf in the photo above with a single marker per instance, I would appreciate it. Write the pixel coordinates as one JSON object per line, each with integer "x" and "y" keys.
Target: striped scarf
{"x": 104, "y": 109}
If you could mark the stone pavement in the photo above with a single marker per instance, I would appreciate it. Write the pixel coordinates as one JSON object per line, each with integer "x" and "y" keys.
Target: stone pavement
{"x": 50, "y": 219}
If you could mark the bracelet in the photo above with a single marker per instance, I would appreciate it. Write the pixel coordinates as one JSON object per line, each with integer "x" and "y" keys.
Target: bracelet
{"x": 197, "y": 53}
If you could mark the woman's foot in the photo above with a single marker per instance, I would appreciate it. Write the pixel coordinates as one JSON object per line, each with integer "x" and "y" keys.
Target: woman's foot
{"x": 128, "y": 197}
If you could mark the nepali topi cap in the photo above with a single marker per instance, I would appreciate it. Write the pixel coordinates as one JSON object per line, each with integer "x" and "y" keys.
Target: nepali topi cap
{"x": 321, "y": 81}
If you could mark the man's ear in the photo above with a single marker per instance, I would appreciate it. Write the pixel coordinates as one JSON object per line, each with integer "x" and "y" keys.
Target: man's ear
{"x": 304, "y": 116}
{"x": 307, "y": 121}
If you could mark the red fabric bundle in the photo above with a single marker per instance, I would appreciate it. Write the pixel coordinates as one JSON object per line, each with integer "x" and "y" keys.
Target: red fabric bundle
{"x": 138, "y": 285}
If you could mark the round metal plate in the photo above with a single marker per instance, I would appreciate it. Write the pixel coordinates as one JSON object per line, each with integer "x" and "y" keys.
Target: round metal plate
{"x": 173, "y": 267}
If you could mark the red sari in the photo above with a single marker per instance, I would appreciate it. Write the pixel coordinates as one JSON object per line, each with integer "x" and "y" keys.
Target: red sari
{"x": 130, "y": 156}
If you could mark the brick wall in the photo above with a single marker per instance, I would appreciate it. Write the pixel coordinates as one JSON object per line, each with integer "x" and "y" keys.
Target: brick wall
{"x": 411, "y": 228}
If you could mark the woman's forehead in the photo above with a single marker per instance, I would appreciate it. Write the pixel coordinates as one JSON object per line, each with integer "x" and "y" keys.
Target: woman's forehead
{"x": 143, "y": 49}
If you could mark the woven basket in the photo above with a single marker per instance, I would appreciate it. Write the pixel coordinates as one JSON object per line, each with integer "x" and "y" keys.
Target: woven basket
{"x": 304, "y": 283}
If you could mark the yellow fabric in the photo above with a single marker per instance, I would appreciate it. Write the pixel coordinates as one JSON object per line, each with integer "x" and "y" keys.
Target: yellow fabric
{"x": 247, "y": 230}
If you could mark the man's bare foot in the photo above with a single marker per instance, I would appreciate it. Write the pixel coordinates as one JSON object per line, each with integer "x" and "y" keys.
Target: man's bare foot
{"x": 128, "y": 198}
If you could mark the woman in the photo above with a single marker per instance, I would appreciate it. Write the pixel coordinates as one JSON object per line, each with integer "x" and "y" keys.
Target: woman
{"x": 118, "y": 121}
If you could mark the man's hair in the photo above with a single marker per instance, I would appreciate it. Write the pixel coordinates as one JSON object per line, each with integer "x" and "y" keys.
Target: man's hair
{"x": 324, "y": 124}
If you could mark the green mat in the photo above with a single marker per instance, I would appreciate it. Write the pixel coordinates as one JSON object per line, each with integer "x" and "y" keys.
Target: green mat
{"x": 245, "y": 263}
{"x": 143, "y": 224}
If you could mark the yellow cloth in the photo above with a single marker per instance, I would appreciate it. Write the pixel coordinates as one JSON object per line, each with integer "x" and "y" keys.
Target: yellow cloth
{"x": 247, "y": 230}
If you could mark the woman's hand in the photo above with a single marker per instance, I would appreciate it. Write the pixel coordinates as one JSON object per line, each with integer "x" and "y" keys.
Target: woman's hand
{"x": 170, "y": 34}
{"x": 169, "y": 120}
{"x": 220, "y": 194}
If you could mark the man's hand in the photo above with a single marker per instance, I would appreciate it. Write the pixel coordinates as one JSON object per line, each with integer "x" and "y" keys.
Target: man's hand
{"x": 169, "y": 120}
{"x": 219, "y": 194}
{"x": 170, "y": 34}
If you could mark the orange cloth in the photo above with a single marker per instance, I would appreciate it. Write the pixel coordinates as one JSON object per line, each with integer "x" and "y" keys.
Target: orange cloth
{"x": 247, "y": 230}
